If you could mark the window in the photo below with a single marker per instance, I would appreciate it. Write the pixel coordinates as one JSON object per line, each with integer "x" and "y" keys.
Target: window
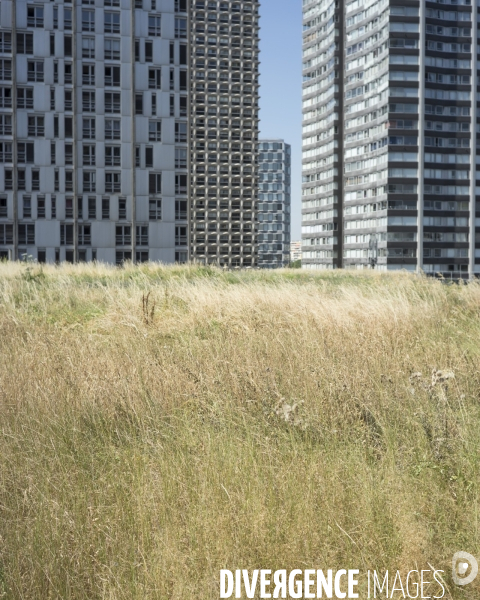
{"x": 112, "y": 22}
{"x": 181, "y": 183}
{"x": 88, "y": 155}
{"x": 69, "y": 154}
{"x": 183, "y": 54}
{"x": 52, "y": 153}
{"x": 142, "y": 235}
{"x": 89, "y": 184}
{"x": 111, "y": 3}
{"x": 36, "y": 126}
{"x": 148, "y": 156}
{"x": 3, "y": 207}
{"x": 80, "y": 208}
{"x": 183, "y": 81}
{"x": 154, "y": 104}
{"x": 27, "y": 207}
{"x": 155, "y": 209}
{"x": 6, "y": 152}
{"x": 137, "y": 50}
{"x": 112, "y": 102}
{"x": 6, "y": 70}
{"x": 84, "y": 235}
{"x": 6, "y": 42}
{"x": 53, "y": 207}
{"x": 55, "y": 126}
{"x": 35, "y": 180}
{"x": 183, "y": 106}
{"x": 52, "y": 98}
{"x": 67, "y": 19}
{"x": 57, "y": 180}
{"x": 142, "y": 256}
{"x": 112, "y": 129}
{"x": 112, "y": 49}
{"x": 88, "y": 129}
{"x": 181, "y": 257}
{"x": 148, "y": 51}
{"x": 88, "y": 47}
{"x": 55, "y": 17}
{"x": 35, "y": 16}
{"x": 52, "y": 44}
{"x": 69, "y": 183}
{"x": 154, "y": 79}
{"x": 122, "y": 208}
{"x": 88, "y": 20}
{"x": 6, "y": 234}
{"x": 69, "y": 207}
{"x": 25, "y": 152}
{"x": 138, "y": 3}
{"x": 180, "y": 6}
{"x": 5, "y": 124}
{"x": 139, "y": 104}
{"x": 25, "y": 43}
{"x": 137, "y": 156}
{"x": 68, "y": 100}
{"x": 172, "y": 105}
{"x": 155, "y": 131}
{"x": 180, "y": 28}
{"x": 68, "y": 72}
{"x": 172, "y": 79}
{"x": 181, "y": 210}
{"x": 41, "y": 207}
{"x": 180, "y": 235}
{"x": 122, "y": 256}
{"x": 6, "y": 97}
{"x": 155, "y": 183}
{"x": 105, "y": 208}
{"x": 112, "y": 76}
{"x": 55, "y": 72}
{"x": 88, "y": 74}
{"x": 154, "y": 25}
{"x": 67, "y": 45}
{"x": 88, "y": 101}
{"x": 180, "y": 158}
{"x": 112, "y": 156}
{"x": 172, "y": 53}
{"x": 66, "y": 234}
{"x": 180, "y": 132}
{"x": 92, "y": 208}
{"x": 123, "y": 235}
{"x": 34, "y": 70}
{"x": 26, "y": 233}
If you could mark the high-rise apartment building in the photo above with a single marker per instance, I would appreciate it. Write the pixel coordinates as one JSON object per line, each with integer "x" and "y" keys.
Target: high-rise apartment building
{"x": 95, "y": 127}
{"x": 274, "y": 205}
{"x": 390, "y": 135}
{"x": 224, "y": 131}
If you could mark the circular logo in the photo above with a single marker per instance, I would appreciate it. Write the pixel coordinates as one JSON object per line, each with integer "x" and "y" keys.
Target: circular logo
{"x": 464, "y": 568}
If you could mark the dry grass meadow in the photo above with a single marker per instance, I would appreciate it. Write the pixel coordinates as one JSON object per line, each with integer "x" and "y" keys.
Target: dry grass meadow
{"x": 160, "y": 424}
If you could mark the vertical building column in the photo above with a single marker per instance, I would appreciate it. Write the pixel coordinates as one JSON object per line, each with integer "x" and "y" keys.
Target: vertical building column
{"x": 189, "y": 134}
{"x": 421, "y": 136}
{"x": 74, "y": 132}
{"x": 134, "y": 137}
{"x": 341, "y": 133}
{"x": 14, "y": 130}
{"x": 473, "y": 143}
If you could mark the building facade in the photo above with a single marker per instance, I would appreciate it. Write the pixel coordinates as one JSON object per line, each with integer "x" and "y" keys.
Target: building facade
{"x": 96, "y": 127}
{"x": 295, "y": 251}
{"x": 274, "y": 208}
{"x": 224, "y": 132}
{"x": 390, "y": 135}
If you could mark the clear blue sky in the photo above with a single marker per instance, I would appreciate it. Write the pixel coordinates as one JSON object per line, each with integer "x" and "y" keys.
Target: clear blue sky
{"x": 281, "y": 85}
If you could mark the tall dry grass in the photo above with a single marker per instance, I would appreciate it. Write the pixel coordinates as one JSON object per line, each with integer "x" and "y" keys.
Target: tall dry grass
{"x": 159, "y": 424}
